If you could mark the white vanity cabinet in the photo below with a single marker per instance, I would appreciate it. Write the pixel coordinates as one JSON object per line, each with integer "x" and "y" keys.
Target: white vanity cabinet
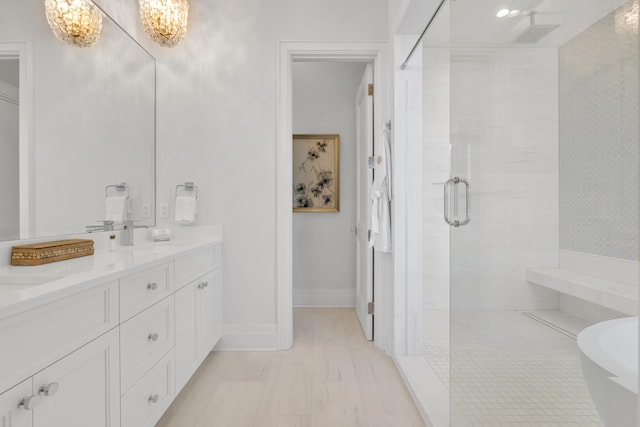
{"x": 82, "y": 389}
{"x": 198, "y": 313}
{"x": 198, "y": 321}
{"x": 110, "y": 354}
{"x": 11, "y": 413}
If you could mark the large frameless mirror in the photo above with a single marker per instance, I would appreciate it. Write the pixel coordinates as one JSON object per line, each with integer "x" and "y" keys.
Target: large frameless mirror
{"x": 73, "y": 121}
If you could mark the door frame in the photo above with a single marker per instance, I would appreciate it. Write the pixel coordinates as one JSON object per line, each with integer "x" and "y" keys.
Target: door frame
{"x": 288, "y": 52}
{"x": 22, "y": 51}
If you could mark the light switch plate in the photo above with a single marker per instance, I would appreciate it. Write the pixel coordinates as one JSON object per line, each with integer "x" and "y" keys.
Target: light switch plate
{"x": 164, "y": 210}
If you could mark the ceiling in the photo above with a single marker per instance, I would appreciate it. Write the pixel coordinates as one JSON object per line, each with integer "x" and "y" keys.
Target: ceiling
{"x": 474, "y": 22}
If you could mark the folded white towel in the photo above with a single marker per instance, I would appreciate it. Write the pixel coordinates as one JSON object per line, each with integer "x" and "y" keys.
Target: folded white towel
{"x": 186, "y": 209}
{"x": 115, "y": 208}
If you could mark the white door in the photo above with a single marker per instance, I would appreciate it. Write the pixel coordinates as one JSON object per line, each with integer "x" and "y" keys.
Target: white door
{"x": 364, "y": 255}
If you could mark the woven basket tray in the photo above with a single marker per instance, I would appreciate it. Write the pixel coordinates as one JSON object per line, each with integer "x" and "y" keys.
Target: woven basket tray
{"x": 46, "y": 252}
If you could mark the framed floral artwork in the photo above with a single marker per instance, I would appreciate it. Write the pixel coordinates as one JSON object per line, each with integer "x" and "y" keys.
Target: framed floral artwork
{"x": 316, "y": 164}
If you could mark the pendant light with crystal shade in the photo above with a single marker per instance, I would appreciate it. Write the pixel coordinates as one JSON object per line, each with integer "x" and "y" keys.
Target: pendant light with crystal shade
{"x": 77, "y": 22}
{"x": 164, "y": 21}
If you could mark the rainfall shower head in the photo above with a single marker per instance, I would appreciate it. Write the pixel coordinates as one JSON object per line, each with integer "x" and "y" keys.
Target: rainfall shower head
{"x": 534, "y": 32}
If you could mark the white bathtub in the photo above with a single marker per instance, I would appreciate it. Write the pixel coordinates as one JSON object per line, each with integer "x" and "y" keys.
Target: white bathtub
{"x": 609, "y": 355}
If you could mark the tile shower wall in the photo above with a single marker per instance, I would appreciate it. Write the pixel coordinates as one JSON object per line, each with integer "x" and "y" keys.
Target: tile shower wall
{"x": 598, "y": 99}
{"x": 436, "y": 165}
{"x": 504, "y": 139}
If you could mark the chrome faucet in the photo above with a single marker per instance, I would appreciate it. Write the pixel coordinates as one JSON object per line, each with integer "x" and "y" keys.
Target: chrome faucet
{"x": 126, "y": 238}
{"x": 106, "y": 226}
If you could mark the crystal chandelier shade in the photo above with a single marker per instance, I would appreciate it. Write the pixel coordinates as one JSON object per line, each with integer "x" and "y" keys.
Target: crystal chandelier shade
{"x": 164, "y": 21}
{"x": 77, "y": 22}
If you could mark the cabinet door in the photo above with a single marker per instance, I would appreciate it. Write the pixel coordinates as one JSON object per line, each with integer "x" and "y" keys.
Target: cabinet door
{"x": 83, "y": 387}
{"x": 211, "y": 309}
{"x": 12, "y": 414}
{"x": 187, "y": 314}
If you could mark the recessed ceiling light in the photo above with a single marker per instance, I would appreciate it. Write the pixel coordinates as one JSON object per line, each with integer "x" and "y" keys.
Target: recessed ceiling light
{"x": 513, "y": 13}
{"x": 502, "y": 13}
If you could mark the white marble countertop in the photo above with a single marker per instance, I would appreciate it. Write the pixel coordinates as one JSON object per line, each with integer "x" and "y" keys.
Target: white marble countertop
{"x": 24, "y": 287}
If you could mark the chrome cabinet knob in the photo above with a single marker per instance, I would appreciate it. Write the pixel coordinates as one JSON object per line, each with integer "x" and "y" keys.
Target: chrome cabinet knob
{"x": 152, "y": 286}
{"x": 28, "y": 403}
{"x": 200, "y": 285}
{"x": 49, "y": 389}
{"x": 205, "y": 284}
{"x": 154, "y": 398}
{"x": 153, "y": 336}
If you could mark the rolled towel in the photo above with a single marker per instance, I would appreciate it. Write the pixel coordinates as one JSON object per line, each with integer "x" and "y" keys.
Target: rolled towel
{"x": 186, "y": 209}
{"x": 115, "y": 208}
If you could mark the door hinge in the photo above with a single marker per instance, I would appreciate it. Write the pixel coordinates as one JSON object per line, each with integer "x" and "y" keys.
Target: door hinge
{"x": 370, "y": 89}
{"x": 371, "y": 308}
{"x": 371, "y": 162}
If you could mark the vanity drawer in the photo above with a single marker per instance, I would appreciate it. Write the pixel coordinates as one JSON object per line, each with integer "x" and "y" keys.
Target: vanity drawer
{"x": 146, "y": 401}
{"x": 190, "y": 267}
{"x": 38, "y": 337}
{"x": 144, "y": 289}
{"x": 145, "y": 339}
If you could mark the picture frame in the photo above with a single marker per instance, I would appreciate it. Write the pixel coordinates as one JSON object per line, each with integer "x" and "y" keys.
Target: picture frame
{"x": 316, "y": 173}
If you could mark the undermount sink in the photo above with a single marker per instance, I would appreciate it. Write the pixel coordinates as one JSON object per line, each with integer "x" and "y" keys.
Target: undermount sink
{"x": 167, "y": 246}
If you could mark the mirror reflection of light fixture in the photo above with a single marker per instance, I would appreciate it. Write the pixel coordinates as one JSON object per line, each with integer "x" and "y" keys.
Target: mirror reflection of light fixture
{"x": 626, "y": 18}
{"x": 77, "y": 22}
{"x": 164, "y": 21}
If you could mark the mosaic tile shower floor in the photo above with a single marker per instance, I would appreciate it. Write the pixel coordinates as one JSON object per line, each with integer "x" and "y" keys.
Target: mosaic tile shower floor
{"x": 508, "y": 370}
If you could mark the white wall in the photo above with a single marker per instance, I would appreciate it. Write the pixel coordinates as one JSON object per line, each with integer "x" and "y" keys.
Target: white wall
{"x": 324, "y": 248}
{"x": 9, "y": 173}
{"x": 217, "y": 97}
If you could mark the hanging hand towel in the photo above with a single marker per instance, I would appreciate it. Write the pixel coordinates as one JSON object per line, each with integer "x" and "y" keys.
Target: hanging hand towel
{"x": 115, "y": 208}
{"x": 186, "y": 209}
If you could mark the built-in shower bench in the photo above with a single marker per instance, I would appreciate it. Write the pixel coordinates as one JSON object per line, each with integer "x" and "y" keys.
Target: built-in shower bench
{"x": 580, "y": 276}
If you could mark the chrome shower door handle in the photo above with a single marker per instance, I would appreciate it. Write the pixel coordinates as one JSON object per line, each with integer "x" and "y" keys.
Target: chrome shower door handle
{"x": 446, "y": 202}
{"x": 454, "y": 222}
{"x": 467, "y": 218}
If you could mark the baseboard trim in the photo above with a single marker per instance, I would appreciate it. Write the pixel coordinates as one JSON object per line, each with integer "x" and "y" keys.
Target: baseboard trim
{"x": 248, "y": 337}
{"x": 324, "y": 297}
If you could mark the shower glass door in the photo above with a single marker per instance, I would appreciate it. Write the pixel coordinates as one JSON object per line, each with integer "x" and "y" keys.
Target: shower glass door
{"x": 543, "y": 126}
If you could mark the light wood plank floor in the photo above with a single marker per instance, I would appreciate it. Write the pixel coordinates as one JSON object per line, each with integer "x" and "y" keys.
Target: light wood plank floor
{"x": 331, "y": 377}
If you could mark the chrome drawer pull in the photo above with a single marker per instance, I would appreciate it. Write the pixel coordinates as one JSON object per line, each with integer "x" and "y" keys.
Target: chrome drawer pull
{"x": 153, "y": 336}
{"x": 152, "y": 286}
{"x": 49, "y": 389}
{"x": 154, "y": 398}
{"x": 28, "y": 403}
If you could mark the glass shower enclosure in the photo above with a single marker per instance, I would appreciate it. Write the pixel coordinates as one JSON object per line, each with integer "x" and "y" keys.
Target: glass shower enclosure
{"x": 531, "y": 156}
